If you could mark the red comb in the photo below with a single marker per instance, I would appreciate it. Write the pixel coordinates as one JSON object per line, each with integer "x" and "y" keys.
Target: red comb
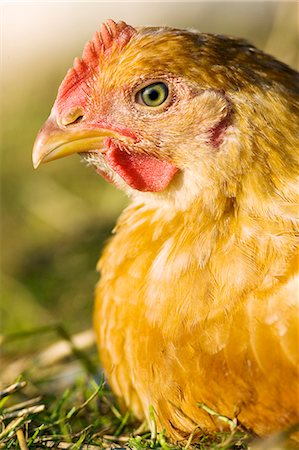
{"x": 111, "y": 35}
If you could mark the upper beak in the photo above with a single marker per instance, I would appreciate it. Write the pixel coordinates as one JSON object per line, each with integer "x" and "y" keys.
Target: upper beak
{"x": 54, "y": 141}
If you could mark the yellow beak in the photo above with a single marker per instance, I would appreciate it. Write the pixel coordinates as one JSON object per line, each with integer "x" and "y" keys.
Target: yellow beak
{"x": 54, "y": 141}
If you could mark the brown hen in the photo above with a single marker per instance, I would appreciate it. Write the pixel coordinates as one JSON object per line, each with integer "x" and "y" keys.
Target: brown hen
{"x": 198, "y": 298}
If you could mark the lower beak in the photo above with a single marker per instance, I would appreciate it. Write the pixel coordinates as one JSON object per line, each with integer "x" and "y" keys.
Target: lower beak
{"x": 54, "y": 142}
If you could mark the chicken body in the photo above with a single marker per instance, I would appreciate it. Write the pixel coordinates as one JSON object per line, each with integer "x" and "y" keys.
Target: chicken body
{"x": 198, "y": 297}
{"x": 163, "y": 340}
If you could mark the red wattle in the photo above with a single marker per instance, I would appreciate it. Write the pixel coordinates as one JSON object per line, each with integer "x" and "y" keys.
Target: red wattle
{"x": 140, "y": 171}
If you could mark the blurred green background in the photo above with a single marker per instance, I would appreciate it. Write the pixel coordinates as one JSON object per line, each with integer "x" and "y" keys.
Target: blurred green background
{"x": 56, "y": 220}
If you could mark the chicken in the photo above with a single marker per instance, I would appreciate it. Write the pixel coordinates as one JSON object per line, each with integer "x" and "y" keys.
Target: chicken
{"x": 197, "y": 302}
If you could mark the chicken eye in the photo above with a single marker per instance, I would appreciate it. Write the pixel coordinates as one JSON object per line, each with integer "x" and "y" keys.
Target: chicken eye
{"x": 153, "y": 95}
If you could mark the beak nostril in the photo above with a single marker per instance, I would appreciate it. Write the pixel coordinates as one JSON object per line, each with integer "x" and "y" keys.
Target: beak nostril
{"x": 77, "y": 120}
{"x": 72, "y": 118}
